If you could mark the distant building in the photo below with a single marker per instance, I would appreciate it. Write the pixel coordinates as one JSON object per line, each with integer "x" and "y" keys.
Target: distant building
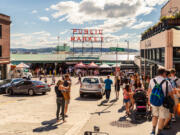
{"x": 62, "y": 49}
{"x": 160, "y": 45}
{"x": 4, "y": 44}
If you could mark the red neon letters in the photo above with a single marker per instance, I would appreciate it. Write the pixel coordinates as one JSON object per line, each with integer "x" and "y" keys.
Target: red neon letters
{"x": 88, "y": 35}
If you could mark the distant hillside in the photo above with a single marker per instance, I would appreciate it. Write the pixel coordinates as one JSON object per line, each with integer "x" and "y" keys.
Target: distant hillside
{"x": 51, "y": 50}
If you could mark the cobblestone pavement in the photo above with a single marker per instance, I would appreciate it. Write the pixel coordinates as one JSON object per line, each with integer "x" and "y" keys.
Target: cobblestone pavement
{"x": 26, "y": 115}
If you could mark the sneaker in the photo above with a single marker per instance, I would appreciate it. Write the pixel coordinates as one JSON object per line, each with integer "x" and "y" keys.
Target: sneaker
{"x": 173, "y": 119}
{"x": 160, "y": 134}
{"x": 152, "y": 133}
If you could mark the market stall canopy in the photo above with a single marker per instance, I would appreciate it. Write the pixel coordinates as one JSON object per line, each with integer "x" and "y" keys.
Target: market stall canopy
{"x": 22, "y": 65}
{"x": 116, "y": 65}
{"x": 105, "y": 66}
{"x": 80, "y": 65}
{"x": 93, "y": 65}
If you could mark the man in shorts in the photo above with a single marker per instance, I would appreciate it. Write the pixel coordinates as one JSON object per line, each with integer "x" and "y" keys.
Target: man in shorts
{"x": 159, "y": 113}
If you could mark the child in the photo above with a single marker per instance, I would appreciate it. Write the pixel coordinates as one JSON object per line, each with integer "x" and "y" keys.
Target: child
{"x": 53, "y": 80}
{"x": 45, "y": 79}
{"x": 126, "y": 94}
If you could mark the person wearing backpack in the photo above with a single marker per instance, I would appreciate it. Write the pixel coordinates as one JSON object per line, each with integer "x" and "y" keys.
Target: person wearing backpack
{"x": 175, "y": 84}
{"x": 156, "y": 95}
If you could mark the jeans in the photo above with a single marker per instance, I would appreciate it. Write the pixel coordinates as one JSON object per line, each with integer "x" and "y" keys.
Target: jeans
{"x": 108, "y": 92}
{"x": 60, "y": 105}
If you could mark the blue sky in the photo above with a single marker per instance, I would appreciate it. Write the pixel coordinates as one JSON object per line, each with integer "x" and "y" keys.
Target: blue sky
{"x": 37, "y": 23}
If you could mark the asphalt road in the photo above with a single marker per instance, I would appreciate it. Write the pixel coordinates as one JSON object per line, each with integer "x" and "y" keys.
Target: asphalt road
{"x": 26, "y": 115}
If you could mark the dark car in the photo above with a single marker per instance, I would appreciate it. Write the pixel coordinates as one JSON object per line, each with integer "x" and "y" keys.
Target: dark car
{"x": 28, "y": 87}
{"x": 4, "y": 84}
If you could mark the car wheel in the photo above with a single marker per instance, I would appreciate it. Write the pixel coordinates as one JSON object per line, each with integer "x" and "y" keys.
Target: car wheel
{"x": 81, "y": 95}
{"x": 31, "y": 92}
{"x": 10, "y": 92}
{"x": 43, "y": 93}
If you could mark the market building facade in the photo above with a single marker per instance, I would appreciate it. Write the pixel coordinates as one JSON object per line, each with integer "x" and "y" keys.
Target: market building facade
{"x": 160, "y": 44}
{"x": 4, "y": 45}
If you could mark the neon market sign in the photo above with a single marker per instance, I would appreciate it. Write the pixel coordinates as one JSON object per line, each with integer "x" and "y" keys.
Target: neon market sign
{"x": 87, "y": 35}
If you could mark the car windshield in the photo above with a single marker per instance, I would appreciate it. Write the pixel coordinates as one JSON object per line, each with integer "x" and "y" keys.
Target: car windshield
{"x": 90, "y": 80}
{"x": 16, "y": 80}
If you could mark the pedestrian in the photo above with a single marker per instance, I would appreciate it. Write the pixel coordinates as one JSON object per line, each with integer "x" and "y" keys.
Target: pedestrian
{"x": 159, "y": 86}
{"x": 117, "y": 86}
{"x": 126, "y": 95}
{"x": 175, "y": 81}
{"x": 59, "y": 100}
{"x": 53, "y": 80}
{"x": 67, "y": 84}
{"x": 45, "y": 79}
{"x": 108, "y": 82}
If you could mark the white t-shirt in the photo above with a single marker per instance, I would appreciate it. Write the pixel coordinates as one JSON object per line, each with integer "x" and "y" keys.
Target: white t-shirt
{"x": 159, "y": 79}
{"x": 177, "y": 82}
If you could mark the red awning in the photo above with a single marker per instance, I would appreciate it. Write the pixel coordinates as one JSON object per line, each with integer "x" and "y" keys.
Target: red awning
{"x": 93, "y": 65}
{"x": 80, "y": 65}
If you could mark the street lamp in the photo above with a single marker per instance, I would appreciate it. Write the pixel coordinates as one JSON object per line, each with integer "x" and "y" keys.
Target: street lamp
{"x": 128, "y": 48}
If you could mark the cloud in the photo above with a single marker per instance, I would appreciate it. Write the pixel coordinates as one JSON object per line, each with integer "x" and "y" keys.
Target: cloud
{"x": 45, "y": 19}
{"x": 142, "y": 25}
{"x": 34, "y": 12}
{"x": 114, "y": 14}
{"x": 33, "y": 40}
{"x": 47, "y": 9}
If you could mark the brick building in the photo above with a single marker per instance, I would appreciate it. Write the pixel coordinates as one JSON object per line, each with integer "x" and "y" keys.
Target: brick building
{"x": 4, "y": 44}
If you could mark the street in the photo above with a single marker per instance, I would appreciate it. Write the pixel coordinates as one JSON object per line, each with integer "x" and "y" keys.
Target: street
{"x": 26, "y": 115}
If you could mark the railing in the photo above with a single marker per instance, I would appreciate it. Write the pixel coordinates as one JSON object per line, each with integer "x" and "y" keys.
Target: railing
{"x": 165, "y": 25}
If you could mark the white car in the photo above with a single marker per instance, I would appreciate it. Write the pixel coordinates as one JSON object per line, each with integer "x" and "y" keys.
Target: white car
{"x": 92, "y": 85}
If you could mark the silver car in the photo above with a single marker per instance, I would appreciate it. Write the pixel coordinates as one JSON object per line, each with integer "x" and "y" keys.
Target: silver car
{"x": 92, "y": 85}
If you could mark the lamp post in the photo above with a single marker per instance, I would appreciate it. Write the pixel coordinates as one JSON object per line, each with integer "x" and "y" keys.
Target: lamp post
{"x": 127, "y": 41}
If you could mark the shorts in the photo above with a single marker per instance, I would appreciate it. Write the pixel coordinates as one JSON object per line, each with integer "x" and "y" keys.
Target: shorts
{"x": 126, "y": 100}
{"x": 160, "y": 111}
{"x": 67, "y": 101}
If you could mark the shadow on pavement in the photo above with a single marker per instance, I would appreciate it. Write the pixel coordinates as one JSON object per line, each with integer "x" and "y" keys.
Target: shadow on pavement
{"x": 123, "y": 108}
{"x": 175, "y": 128}
{"x": 47, "y": 126}
{"x": 103, "y": 103}
{"x": 88, "y": 98}
{"x": 104, "y": 110}
{"x": 22, "y": 95}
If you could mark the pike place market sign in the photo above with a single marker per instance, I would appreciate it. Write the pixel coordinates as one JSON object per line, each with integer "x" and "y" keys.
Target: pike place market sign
{"x": 87, "y": 35}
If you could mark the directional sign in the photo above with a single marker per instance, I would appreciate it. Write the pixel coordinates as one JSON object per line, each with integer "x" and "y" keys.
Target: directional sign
{"x": 114, "y": 49}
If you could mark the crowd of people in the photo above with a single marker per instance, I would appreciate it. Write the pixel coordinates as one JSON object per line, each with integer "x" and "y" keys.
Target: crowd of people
{"x": 163, "y": 93}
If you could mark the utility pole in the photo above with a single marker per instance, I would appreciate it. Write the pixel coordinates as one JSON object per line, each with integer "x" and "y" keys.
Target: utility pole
{"x": 128, "y": 49}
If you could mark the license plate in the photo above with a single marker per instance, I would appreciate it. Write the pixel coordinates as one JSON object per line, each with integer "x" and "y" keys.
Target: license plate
{"x": 88, "y": 86}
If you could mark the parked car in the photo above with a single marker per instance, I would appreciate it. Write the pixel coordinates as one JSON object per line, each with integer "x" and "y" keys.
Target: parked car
{"x": 92, "y": 85}
{"x": 4, "y": 84}
{"x": 28, "y": 87}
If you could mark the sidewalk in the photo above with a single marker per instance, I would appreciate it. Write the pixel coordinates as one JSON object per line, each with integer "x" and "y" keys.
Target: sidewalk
{"x": 110, "y": 117}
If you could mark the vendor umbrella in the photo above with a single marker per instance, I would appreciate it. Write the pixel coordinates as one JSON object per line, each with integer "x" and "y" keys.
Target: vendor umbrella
{"x": 80, "y": 65}
{"x": 22, "y": 65}
{"x": 93, "y": 65}
{"x": 105, "y": 66}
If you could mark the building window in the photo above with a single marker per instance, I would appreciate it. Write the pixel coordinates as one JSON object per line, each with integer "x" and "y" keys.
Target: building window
{"x": 162, "y": 54}
{"x": 157, "y": 55}
{"x": 0, "y": 31}
{"x": 176, "y": 53}
{"x": 0, "y": 51}
{"x": 142, "y": 53}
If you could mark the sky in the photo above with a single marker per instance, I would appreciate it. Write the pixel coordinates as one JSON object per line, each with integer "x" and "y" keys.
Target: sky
{"x": 38, "y": 23}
